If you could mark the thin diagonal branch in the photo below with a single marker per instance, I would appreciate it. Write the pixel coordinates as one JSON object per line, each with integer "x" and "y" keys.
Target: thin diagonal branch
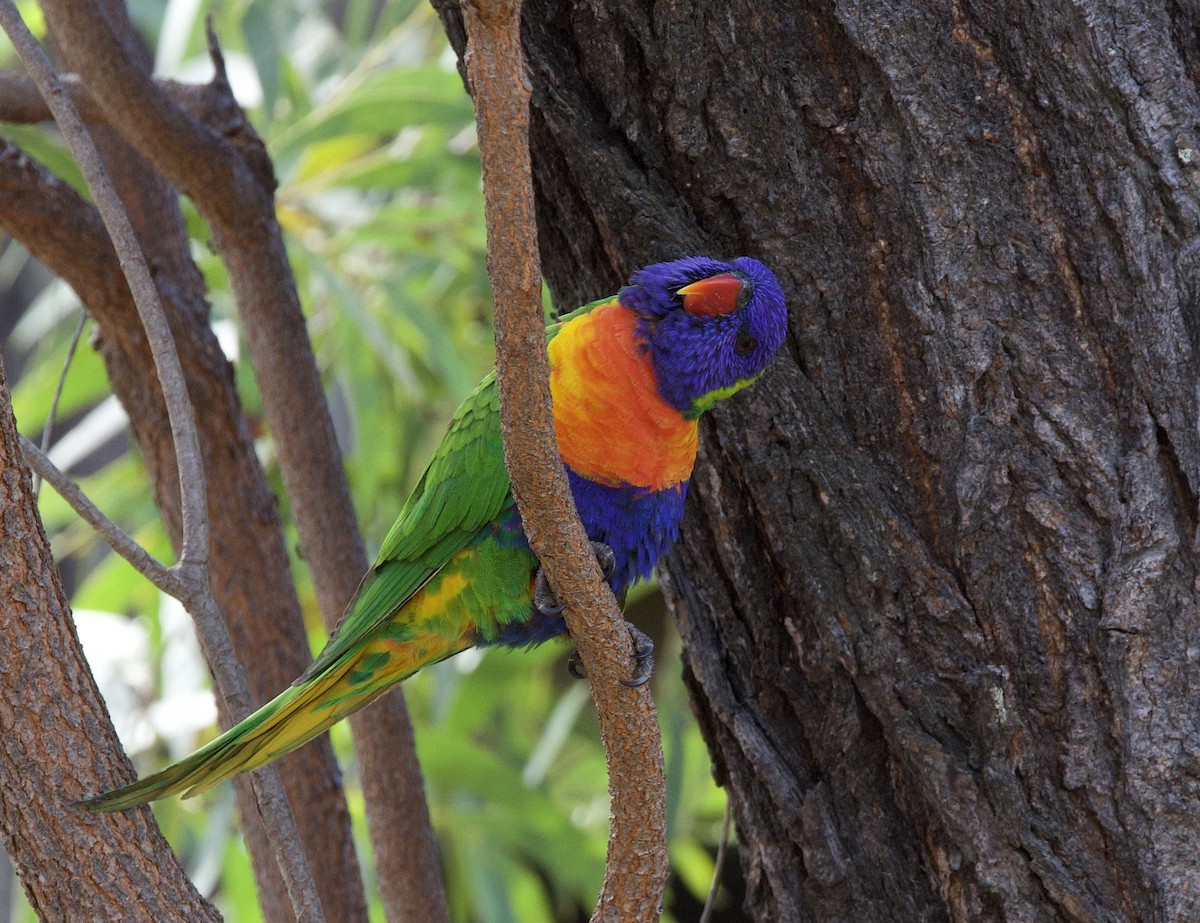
{"x": 166, "y": 362}
{"x": 636, "y": 871}
{"x": 114, "y": 536}
{"x": 718, "y": 864}
{"x": 48, "y": 428}
{"x": 228, "y": 175}
{"x": 192, "y": 564}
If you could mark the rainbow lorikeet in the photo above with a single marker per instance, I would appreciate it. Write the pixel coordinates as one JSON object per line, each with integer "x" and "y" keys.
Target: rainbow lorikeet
{"x": 630, "y": 375}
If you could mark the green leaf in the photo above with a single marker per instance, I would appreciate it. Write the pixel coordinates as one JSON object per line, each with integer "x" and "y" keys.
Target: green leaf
{"x": 694, "y": 866}
{"x": 382, "y": 104}
{"x": 260, "y": 30}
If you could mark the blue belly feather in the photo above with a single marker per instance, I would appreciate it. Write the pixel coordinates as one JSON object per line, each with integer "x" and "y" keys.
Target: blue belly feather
{"x": 639, "y": 525}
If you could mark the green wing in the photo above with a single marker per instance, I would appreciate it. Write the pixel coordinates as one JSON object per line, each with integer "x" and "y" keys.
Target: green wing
{"x": 464, "y": 486}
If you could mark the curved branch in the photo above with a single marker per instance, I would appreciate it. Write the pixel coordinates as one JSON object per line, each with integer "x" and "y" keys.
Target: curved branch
{"x": 637, "y": 855}
{"x": 163, "y": 577}
{"x": 191, "y": 568}
{"x": 228, "y": 175}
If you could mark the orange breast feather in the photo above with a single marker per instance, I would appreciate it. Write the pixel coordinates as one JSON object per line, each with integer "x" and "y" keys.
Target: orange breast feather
{"x": 611, "y": 423}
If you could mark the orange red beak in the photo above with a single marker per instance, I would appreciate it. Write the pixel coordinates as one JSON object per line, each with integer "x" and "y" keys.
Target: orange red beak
{"x": 712, "y": 296}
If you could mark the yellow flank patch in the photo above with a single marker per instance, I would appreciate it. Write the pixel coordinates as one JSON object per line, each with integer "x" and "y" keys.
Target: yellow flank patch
{"x": 445, "y": 586}
{"x": 437, "y": 616}
{"x": 612, "y": 424}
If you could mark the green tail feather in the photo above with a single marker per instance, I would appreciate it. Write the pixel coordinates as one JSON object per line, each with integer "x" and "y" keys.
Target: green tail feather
{"x": 291, "y": 719}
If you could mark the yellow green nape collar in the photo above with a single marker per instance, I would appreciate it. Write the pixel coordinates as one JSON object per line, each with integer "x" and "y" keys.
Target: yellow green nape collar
{"x": 706, "y": 401}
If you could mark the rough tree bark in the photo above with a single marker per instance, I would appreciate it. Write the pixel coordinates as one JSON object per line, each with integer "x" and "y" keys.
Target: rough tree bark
{"x": 230, "y": 179}
{"x": 249, "y": 559}
{"x": 937, "y": 584}
{"x": 72, "y": 867}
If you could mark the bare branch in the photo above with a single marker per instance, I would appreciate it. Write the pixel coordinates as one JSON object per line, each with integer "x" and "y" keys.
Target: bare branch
{"x": 114, "y": 536}
{"x": 191, "y": 569}
{"x": 637, "y": 856}
{"x": 145, "y": 295}
{"x": 22, "y": 104}
{"x": 228, "y": 175}
{"x": 718, "y": 864}
{"x": 48, "y": 427}
{"x": 278, "y": 819}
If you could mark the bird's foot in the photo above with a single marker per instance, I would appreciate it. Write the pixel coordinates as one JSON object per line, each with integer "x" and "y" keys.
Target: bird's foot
{"x": 544, "y": 599}
{"x": 643, "y": 655}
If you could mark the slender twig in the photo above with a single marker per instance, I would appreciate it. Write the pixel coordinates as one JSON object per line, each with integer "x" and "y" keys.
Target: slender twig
{"x": 191, "y": 568}
{"x": 637, "y": 865}
{"x": 48, "y": 429}
{"x": 116, "y": 538}
{"x": 711, "y": 901}
{"x": 145, "y": 295}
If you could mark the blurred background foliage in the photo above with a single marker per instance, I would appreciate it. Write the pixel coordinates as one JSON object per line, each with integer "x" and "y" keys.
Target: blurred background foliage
{"x": 372, "y": 136}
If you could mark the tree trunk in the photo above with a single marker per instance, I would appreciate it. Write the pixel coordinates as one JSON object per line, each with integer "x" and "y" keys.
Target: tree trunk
{"x": 251, "y": 575}
{"x": 250, "y": 572}
{"x": 59, "y": 744}
{"x": 937, "y": 583}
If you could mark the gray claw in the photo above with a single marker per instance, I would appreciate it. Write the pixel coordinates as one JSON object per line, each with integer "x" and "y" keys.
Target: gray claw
{"x": 606, "y": 558}
{"x": 643, "y": 653}
{"x": 544, "y": 599}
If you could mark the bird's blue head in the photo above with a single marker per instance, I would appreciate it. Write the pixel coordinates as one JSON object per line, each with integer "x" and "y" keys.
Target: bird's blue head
{"x": 710, "y": 326}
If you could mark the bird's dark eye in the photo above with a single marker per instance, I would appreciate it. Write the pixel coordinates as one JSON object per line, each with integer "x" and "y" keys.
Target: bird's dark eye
{"x": 745, "y": 344}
